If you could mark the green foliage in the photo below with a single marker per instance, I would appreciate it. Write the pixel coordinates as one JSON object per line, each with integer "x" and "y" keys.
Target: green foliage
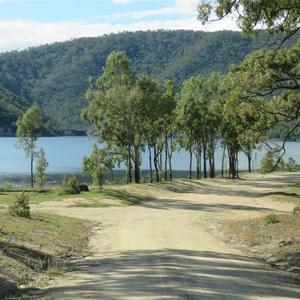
{"x": 11, "y": 106}
{"x": 274, "y": 74}
{"x": 29, "y": 125}
{"x": 271, "y": 219}
{"x": 6, "y": 186}
{"x": 291, "y": 165}
{"x": 97, "y": 163}
{"x": 268, "y": 163}
{"x": 52, "y": 272}
{"x": 275, "y": 16}
{"x": 28, "y": 131}
{"x": 40, "y": 168}
{"x": 70, "y": 186}
{"x": 20, "y": 207}
{"x": 273, "y": 162}
{"x": 55, "y": 76}
{"x": 296, "y": 210}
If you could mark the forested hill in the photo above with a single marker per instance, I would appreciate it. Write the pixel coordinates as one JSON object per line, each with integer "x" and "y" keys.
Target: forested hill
{"x": 56, "y": 76}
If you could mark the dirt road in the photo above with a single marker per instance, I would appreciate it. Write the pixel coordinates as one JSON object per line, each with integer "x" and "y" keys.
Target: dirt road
{"x": 172, "y": 248}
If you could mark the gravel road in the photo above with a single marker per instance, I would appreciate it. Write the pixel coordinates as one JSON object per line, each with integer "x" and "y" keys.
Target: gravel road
{"x": 172, "y": 247}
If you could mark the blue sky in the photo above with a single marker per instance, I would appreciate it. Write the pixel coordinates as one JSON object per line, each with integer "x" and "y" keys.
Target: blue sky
{"x": 28, "y": 23}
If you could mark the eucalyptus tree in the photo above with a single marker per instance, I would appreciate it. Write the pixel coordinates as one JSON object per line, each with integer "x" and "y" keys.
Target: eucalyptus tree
{"x": 230, "y": 133}
{"x": 28, "y": 132}
{"x": 243, "y": 125}
{"x": 274, "y": 74}
{"x": 213, "y": 90}
{"x": 40, "y": 168}
{"x": 170, "y": 124}
{"x": 111, "y": 107}
{"x": 149, "y": 117}
{"x": 97, "y": 163}
{"x": 190, "y": 118}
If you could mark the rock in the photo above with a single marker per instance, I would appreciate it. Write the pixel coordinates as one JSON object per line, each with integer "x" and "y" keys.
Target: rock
{"x": 84, "y": 188}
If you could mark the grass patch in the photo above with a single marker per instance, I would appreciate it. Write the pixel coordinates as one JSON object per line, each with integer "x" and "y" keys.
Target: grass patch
{"x": 277, "y": 241}
{"x": 290, "y": 193}
{"x": 29, "y": 246}
{"x": 91, "y": 203}
{"x": 271, "y": 219}
{"x": 55, "y": 272}
{"x": 94, "y": 196}
{"x": 9, "y": 197}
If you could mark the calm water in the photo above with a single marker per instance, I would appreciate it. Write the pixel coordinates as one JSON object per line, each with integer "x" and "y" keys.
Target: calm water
{"x": 64, "y": 155}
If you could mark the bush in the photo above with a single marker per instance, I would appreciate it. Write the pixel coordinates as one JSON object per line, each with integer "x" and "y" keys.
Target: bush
{"x": 271, "y": 219}
{"x": 296, "y": 210}
{"x": 70, "y": 186}
{"x": 291, "y": 165}
{"x": 20, "y": 207}
{"x": 6, "y": 186}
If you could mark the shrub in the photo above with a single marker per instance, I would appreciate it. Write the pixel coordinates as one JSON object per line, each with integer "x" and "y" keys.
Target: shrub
{"x": 20, "y": 207}
{"x": 271, "y": 162}
{"x": 6, "y": 186}
{"x": 296, "y": 210}
{"x": 70, "y": 186}
{"x": 291, "y": 165}
{"x": 267, "y": 163}
{"x": 271, "y": 219}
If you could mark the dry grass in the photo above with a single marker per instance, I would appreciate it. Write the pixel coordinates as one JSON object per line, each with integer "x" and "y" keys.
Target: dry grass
{"x": 31, "y": 246}
{"x": 278, "y": 242}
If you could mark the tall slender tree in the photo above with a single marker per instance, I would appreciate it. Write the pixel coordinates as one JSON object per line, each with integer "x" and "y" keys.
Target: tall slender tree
{"x": 28, "y": 132}
{"x": 41, "y": 167}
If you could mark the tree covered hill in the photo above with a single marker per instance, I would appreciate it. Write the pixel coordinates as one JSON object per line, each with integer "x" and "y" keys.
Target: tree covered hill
{"x": 11, "y": 106}
{"x": 56, "y": 76}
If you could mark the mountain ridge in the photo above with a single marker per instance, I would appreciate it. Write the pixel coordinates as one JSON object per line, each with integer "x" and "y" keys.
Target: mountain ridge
{"x": 55, "y": 76}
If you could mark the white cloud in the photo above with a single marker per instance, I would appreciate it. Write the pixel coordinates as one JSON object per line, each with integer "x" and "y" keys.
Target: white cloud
{"x": 21, "y": 34}
{"x": 180, "y": 8}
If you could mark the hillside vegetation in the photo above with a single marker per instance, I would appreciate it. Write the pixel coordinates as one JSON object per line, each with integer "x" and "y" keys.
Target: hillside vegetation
{"x": 56, "y": 76}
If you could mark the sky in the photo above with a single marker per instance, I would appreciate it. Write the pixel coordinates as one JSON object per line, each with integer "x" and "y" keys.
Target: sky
{"x": 30, "y": 23}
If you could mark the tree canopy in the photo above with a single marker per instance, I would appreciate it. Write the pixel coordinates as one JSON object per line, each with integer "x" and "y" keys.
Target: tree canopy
{"x": 276, "y": 16}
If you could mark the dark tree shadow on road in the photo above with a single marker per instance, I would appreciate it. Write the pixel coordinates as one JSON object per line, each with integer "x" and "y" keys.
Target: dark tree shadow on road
{"x": 176, "y": 274}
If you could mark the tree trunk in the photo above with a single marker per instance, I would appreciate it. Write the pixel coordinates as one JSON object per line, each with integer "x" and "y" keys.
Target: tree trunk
{"x": 156, "y": 156}
{"x": 170, "y": 153}
{"x": 166, "y": 159}
{"x": 129, "y": 166}
{"x": 212, "y": 167}
{"x": 150, "y": 164}
{"x": 249, "y": 156}
{"x": 137, "y": 171}
{"x": 237, "y": 164}
{"x": 31, "y": 169}
{"x": 160, "y": 161}
{"x": 204, "y": 161}
{"x": 232, "y": 163}
{"x": 112, "y": 175}
{"x": 223, "y": 160}
{"x": 191, "y": 162}
{"x": 198, "y": 162}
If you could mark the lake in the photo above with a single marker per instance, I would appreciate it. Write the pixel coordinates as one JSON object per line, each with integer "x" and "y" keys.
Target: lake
{"x": 64, "y": 155}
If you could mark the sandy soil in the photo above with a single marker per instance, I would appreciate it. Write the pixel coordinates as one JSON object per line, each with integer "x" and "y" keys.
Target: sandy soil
{"x": 172, "y": 248}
